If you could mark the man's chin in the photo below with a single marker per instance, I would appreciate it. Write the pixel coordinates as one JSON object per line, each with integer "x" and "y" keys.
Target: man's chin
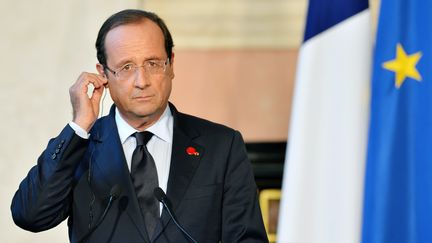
{"x": 147, "y": 112}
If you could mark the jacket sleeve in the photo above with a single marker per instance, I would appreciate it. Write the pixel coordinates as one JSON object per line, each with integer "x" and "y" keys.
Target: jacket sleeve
{"x": 44, "y": 197}
{"x": 241, "y": 216}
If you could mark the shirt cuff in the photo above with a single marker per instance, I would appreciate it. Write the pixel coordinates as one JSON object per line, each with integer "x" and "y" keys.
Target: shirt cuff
{"x": 79, "y": 130}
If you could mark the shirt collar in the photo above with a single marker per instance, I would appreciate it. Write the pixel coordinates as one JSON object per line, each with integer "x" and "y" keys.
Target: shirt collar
{"x": 163, "y": 128}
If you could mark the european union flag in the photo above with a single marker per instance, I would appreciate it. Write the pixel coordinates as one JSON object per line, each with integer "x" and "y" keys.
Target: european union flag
{"x": 398, "y": 189}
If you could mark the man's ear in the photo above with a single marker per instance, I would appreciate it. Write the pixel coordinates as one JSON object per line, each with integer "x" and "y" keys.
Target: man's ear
{"x": 171, "y": 69}
{"x": 101, "y": 70}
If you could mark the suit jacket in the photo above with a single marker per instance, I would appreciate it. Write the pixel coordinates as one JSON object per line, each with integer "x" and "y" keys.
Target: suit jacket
{"x": 212, "y": 192}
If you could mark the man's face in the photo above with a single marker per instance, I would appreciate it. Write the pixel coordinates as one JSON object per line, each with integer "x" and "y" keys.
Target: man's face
{"x": 143, "y": 95}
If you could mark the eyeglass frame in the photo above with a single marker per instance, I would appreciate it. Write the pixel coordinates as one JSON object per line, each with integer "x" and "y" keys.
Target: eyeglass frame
{"x": 135, "y": 67}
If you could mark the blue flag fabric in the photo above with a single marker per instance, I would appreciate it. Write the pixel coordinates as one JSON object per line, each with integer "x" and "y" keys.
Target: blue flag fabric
{"x": 323, "y": 15}
{"x": 398, "y": 183}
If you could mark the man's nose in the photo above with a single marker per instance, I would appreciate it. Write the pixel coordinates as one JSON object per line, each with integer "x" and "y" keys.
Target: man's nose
{"x": 141, "y": 77}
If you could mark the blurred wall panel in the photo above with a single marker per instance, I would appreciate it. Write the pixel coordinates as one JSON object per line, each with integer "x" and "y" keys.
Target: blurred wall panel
{"x": 249, "y": 90}
{"x": 233, "y": 23}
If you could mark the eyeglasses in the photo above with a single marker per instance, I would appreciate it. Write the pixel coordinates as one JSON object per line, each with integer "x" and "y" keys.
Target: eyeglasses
{"x": 151, "y": 67}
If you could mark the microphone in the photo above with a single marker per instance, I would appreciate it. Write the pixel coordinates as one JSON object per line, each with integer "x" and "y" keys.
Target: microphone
{"x": 162, "y": 197}
{"x": 114, "y": 194}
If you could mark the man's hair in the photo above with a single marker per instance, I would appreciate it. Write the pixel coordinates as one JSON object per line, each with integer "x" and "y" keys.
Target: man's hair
{"x": 129, "y": 16}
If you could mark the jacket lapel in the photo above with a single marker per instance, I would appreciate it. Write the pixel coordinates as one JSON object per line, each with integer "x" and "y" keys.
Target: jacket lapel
{"x": 110, "y": 168}
{"x": 182, "y": 168}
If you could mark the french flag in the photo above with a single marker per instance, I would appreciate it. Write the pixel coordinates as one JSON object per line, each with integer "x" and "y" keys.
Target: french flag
{"x": 322, "y": 191}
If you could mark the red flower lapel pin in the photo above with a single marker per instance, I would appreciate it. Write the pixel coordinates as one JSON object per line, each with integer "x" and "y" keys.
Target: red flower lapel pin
{"x": 192, "y": 151}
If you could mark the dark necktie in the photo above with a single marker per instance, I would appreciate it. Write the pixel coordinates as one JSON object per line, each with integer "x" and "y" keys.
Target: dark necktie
{"x": 145, "y": 179}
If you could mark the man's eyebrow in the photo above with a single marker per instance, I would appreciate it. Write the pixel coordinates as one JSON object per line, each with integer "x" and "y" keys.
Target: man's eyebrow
{"x": 132, "y": 60}
{"x": 154, "y": 57}
{"x": 123, "y": 61}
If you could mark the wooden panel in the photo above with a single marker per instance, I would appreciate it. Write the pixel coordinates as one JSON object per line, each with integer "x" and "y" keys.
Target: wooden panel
{"x": 233, "y": 23}
{"x": 249, "y": 90}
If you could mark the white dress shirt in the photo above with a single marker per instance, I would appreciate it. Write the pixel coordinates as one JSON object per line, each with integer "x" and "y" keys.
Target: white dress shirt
{"x": 159, "y": 146}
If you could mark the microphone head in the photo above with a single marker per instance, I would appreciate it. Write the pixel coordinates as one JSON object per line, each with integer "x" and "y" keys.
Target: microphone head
{"x": 159, "y": 194}
{"x": 115, "y": 191}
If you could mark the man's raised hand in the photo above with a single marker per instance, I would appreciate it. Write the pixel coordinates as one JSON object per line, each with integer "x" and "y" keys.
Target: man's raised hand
{"x": 85, "y": 108}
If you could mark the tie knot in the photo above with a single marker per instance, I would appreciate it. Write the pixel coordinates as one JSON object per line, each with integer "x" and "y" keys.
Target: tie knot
{"x": 142, "y": 138}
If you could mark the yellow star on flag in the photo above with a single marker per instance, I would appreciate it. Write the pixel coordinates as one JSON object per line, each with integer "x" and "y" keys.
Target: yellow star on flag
{"x": 404, "y": 66}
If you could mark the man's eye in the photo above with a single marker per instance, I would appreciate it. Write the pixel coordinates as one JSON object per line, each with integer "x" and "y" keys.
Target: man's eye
{"x": 152, "y": 63}
{"x": 127, "y": 67}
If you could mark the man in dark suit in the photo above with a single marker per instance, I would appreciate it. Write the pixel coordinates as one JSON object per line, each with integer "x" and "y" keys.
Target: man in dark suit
{"x": 101, "y": 173}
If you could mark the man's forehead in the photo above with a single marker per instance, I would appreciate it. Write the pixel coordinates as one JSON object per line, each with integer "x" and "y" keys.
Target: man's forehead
{"x": 140, "y": 38}
{"x": 144, "y": 27}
